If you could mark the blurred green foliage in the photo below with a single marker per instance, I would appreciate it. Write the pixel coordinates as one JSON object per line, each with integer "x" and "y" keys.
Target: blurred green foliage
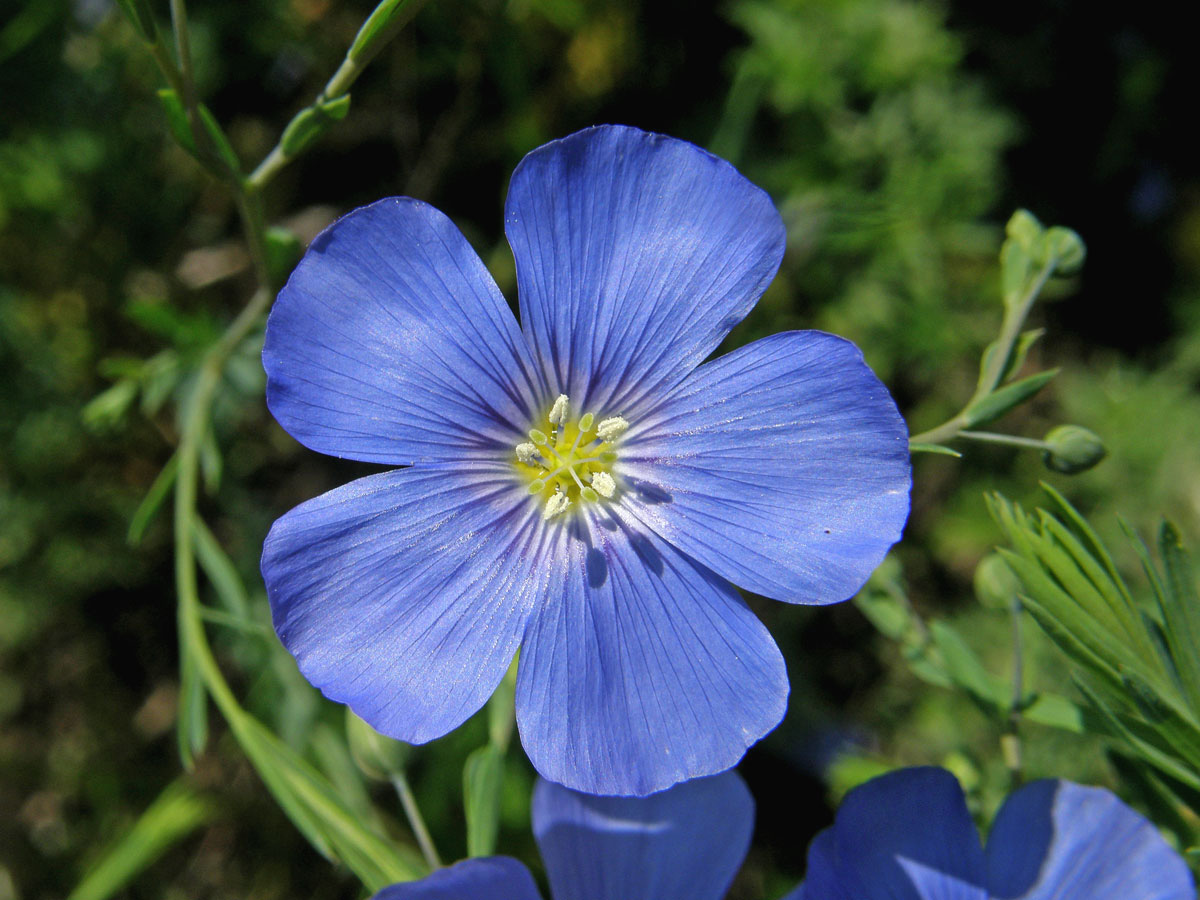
{"x": 876, "y": 127}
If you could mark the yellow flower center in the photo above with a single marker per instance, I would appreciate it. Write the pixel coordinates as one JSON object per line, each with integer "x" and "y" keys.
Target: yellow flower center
{"x": 569, "y": 462}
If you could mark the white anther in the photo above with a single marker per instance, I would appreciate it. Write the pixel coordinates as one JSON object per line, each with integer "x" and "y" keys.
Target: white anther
{"x": 612, "y": 428}
{"x": 604, "y": 484}
{"x": 527, "y": 453}
{"x": 558, "y": 412}
{"x": 557, "y": 504}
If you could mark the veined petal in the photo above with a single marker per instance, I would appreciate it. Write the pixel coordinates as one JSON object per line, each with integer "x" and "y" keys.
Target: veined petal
{"x": 405, "y": 594}
{"x": 782, "y": 466}
{"x": 489, "y": 878}
{"x": 906, "y": 835}
{"x": 636, "y": 253}
{"x": 685, "y": 843}
{"x": 391, "y": 343}
{"x": 643, "y": 668}
{"x": 1055, "y": 839}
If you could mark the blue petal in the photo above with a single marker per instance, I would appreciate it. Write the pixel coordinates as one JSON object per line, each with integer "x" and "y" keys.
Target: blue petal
{"x": 392, "y": 344}
{"x": 643, "y": 669}
{"x": 904, "y": 836}
{"x": 1054, "y": 839}
{"x": 491, "y": 878}
{"x": 636, "y": 253}
{"x": 686, "y": 843}
{"x": 782, "y": 466}
{"x": 405, "y": 594}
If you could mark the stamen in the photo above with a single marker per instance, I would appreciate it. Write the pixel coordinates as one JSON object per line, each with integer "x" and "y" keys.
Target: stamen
{"x": 604, "y": 484}
{"x": 611, "y": 428}
{"x": 538, "y": 437}
{"x": 585, "y": 423}
{"x": 527, "y": 453}
{"x": 589, "y": 495}
{"x": 556, "y": 505}
{"x": 558, "y": 412}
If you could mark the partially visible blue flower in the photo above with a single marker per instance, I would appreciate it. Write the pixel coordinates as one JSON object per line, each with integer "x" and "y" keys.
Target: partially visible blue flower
{"x": 686, "y": 843}
{"x": 908, "y": 836}
{"x": 581, "y": 487}
{"x": 904, "y": 836}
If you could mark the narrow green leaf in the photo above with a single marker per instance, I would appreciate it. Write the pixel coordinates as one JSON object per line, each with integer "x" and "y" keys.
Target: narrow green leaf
{"x": 220, "y": 571}
{"x": 320, "y": 813}
{"x": 310, "y": 123}
{"x": 966, "y": 671}
{"x": 1181, "y": 612}
{"x": 153, "y": 501}
{"x": 483, "y": 779}
{"x": 1007, "y": 398}
{"x": 335, "y": 761}
{"x": 220, "y": 142}
{"x": 1088, "y": 536}
{"x": 1118, "y": 727}
{"x": 1098, "y": 576}
{"x": 933, "y": 448}
{"x": 175, "y": 814}
{"x": 191, "y": 722}
{"x": 1056, "y": 711}
{"x": 211, "y": 462}
{"x": 142, "y": 16}
{"x": 177, "y": 120}
{"x": 1020, "y": 352}
{"x": 384, "y": 22}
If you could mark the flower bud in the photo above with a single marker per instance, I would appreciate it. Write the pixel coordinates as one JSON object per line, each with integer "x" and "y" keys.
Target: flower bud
{"x": 1065, "y": 247}
{"x": 1071, "y": 449}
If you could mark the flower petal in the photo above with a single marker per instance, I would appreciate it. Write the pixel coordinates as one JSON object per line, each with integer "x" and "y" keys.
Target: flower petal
{"x": 391, "y": 343}
{"x": 1056, "y": 839}
{"x": 404, "y": 594}
{"x": 636, "y": 253}
{"x": 906, "y": 835}
{"x": 782, "y": 466}
{"x": 687, "y": 842}
{"x": 643, "y": 669}
{"x": 486, "y": 878}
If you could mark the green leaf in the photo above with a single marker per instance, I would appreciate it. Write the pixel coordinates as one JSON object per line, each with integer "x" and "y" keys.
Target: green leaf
{"x": 1007, "y": 398}
{"x": 310, "y": 123}
{"x": 966, "y": 671}
{"x": 220, "y": 142}
{"x": 318, "y": 811}
{"x": 142, "y": 16}
{"x": 107, "y": 408}
{"x": 177, "y": 120}
{"x": 1020, "y": 351}
{"x": 1180, "y": 606}
{"x": 191, "y": 722}
{"x": 483, "y": 779}
{"x": 933, "y": 448}
{"x": 220, "y": 571}
{"x": 175, "y": 814}
{"x": 153, "y": 500}
{"x": 283, "y": 252}
{"x": 1056, "y": 711}
{"x": 381, "y": 26}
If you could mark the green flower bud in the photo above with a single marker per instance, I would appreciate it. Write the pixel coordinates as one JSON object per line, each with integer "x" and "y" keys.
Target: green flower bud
{"x": 1065, "y": 247}
{"x": 1072, "y": 449}
{"x": 377, "y": 756}
{"x": 1025, "y": 229}
{"x": 995, "y": 583}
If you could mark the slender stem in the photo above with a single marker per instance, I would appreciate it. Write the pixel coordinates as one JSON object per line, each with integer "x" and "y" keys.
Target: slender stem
{"x": 183, "y": 49}
{"x": 1010, "y": 742}
{"x": 415, "y": 821}
{"x": 1010, "y": 330}
{"x": 345, "y": 76}
{"x": 1012, "y": 440}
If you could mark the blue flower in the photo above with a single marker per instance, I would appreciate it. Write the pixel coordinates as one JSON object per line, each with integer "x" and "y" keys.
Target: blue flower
{"x": 908, "y": 836}
{"x": 579, "y": 487}
{"x": 904, "y": 836}
{"x": 686, "y": 843}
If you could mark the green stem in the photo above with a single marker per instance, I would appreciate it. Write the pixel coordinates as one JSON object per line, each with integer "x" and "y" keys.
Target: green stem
{"x": 1010, "y": 330}
{"x": 1010, "y": 742}
{"x": 1011, "y": 440}
{"x": 336, "y": 87}
{"x": 413, "y": 813}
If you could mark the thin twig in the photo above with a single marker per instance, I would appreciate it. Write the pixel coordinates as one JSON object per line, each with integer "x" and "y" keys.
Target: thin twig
{"x": 415, "y": 821}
